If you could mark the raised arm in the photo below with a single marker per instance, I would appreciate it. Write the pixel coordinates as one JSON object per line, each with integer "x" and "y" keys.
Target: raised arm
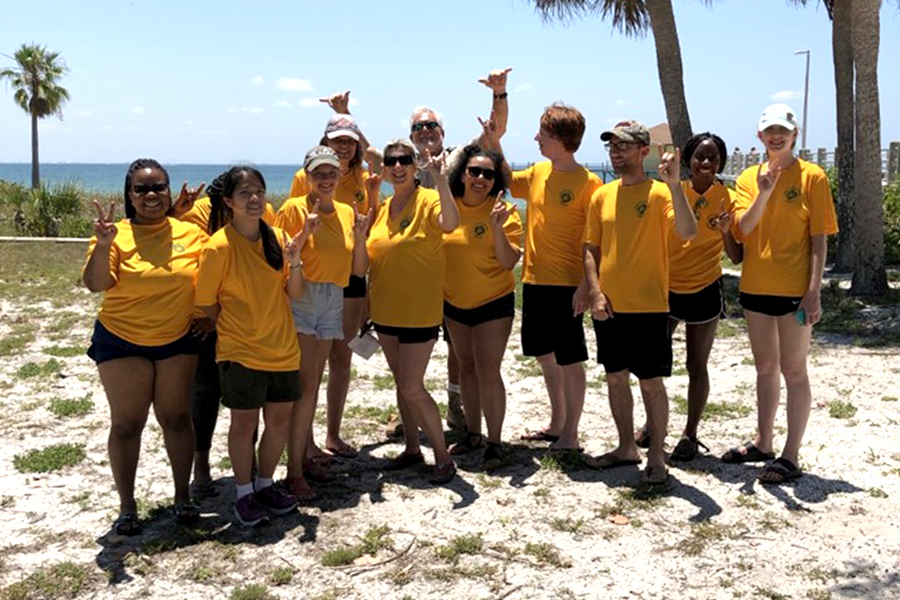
{"x": 496, "y": 82}
{"x": 670, "y": 173}
{"x": 448, "y": 220}
{"x": 361, "y": 225}
{"x": 340, "y": 103}
{"x": 97, "y": 277}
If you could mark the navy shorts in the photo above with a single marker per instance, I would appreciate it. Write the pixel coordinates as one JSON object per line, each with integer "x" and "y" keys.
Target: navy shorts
{"x": 105, "y": 345}
{"x": 699, "y": 307}
{"x": 502, "y": 307}
{"x": 409, "y": 335}
{"x": 635, "y": 342}
{"x": 774, "y": 306}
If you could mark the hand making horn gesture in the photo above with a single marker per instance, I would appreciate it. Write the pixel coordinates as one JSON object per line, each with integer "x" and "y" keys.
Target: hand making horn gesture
{"x": 373, "y": 188}
{"x": 767, "y": 176}
{"x": 186, "y": 198}
{"x": 724, "y": 219}
{"x": 496, "y": 80}
{"x": 339, "y": 103}
{"x": 361, "y": 223}
{"x": 104, "y": 227}
{"x": 669, "y": 166}
{"x": 436, "y": 165}
{"x": 500, "y": 212}
{"x": 489, "y": 138}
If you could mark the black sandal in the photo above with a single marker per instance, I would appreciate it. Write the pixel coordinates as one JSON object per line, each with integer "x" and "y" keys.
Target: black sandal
{"x": 687, "y": 449}
{"x": 747, "y": 453}
{"x": 471, "y": 441}
{"x": 493, "y": 457}
{"x": 187, "y": 513}
{"x": 127, "y": 524}
{"x": 779, "y": 471}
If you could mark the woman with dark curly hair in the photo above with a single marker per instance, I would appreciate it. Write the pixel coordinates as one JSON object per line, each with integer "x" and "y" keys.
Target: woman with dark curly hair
{"x": 479, "y": 297}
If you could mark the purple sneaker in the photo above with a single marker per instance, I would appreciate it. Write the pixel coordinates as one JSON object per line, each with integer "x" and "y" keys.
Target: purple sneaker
{"x": 276, "y": 499}
{"x": 249, "y": 511}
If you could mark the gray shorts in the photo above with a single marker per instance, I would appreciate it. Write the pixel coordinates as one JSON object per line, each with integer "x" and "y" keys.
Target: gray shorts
{"x": 320, "y": 312}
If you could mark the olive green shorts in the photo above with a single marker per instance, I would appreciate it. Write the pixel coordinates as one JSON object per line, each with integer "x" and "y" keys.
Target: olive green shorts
{"x": 245, "y": 388}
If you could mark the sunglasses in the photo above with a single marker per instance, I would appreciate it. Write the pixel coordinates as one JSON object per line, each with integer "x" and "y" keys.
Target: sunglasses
{"x": 479, "y": 172}
{"x": 405, "y": 160}
{"x": 425, "y": 125}
{"x": 141, "y": 189}
{"x": 618, "y": 146}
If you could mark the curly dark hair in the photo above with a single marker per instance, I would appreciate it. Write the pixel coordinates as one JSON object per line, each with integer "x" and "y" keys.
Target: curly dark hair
{"x": 454, "y": 177}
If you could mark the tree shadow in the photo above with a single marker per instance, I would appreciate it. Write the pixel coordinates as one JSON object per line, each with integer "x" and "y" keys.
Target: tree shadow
{"x": 867, "y": 580}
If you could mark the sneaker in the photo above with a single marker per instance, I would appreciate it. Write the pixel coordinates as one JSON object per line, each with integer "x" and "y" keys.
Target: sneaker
{"x": 277, "y": 500}
{"x": 456, "y": 416}
{"x": 249, "y": 511}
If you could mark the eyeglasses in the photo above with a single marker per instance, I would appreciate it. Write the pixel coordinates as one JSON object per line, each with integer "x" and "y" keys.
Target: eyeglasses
{"x": 480, "y": 172}
{"x": 140, "y": 189}
{"x": 618, "y": 146}
{"x": 425, "y": 125}
{"x": 405, "y": 160}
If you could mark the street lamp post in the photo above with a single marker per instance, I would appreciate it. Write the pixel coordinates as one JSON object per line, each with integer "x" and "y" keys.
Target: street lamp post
{"x": 805, "y": 98}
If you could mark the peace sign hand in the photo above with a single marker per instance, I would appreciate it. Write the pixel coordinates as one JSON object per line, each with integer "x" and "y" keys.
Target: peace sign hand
{"x": 496, "y": 80}
{"x": 339, "y": 103}
{"x": 669, "y": 166}
{"x": 312, "y": 222}
{"x": 104, "y": 228}
{"x": 186, "y": 199}
{"x": 766, "y": 180}
{"x": 500, "y": 212}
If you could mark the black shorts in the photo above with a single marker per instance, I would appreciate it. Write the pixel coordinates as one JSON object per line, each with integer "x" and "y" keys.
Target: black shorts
{"x": 774, "y": 306}
{"x": 548, "y": 325}
{"x": 500, "y": 308}
{"x": 635, "y": 342}
{"x": 105, "y": 345}
{"x": 245, "y": 388}
{"x": 409, "y": 335}
{"x": 699, "y": 307}
{"x": 356, "y": 288}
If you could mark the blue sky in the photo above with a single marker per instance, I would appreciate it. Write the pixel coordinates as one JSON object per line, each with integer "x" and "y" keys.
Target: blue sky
{"x": 217, "y": 82}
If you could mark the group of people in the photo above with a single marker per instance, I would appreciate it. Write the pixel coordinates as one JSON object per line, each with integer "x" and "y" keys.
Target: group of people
{"x": 222, "y": 299}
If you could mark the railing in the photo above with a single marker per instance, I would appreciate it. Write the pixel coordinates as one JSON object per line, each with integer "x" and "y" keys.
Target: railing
{"x": 890, "y": 161}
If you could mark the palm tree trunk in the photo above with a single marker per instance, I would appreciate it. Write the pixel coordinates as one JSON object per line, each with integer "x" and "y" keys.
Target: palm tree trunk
{"x": 869, "y": 276}
{"x": 35, "y": 162}
{"x": 668, "y": 62}
{"x": 842, "y": 50}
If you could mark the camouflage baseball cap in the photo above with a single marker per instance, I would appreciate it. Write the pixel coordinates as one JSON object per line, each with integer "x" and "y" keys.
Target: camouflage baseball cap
{"x": 628, "y": 131}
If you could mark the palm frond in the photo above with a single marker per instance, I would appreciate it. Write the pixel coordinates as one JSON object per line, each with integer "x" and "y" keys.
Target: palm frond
{"x": 628, "y": 16}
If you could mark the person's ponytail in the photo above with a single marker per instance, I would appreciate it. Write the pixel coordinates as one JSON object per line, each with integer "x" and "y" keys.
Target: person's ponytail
{"x": 271, "y": 248}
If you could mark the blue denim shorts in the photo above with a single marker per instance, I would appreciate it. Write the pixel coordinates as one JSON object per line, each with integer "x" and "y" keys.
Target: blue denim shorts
{"x": 320, "y": 311}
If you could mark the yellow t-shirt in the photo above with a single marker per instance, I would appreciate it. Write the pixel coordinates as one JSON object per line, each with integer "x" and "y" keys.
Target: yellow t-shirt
{"x": 328, "y": 253}
{"x": 406, "y": 265}
{"x": 631, "y": 225}
{"x": 255, "y": 326}
{"x": 202, "y": 209}
{"x": 473, "y": 276}
{"x": 697, "y": 263}
{"x": 557, "y": 208}
{"x": 776, "y": 252}
{"x": 351, "y": 189}
{"x": 154, "y": 268}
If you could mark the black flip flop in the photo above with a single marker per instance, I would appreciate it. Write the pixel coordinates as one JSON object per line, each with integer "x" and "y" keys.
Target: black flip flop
{"x": 752, "y": 454}
{"x": 538, "y": 435}
{"x": 779, "y": 471}
{"x": 127, "y": 524}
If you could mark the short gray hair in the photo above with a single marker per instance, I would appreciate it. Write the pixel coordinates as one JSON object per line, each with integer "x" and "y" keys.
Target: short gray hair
{"x": 403, "y": 144}
{"x": 419, "y": 110}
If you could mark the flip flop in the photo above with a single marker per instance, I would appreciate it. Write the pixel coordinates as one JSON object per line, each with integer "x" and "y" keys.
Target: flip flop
{"x": 610, "y": 461}
{"x": 779, "y": 471}
{"x": 538, "y": 435}
{"x": 345, "y": 451}
{"x": 654, "y": 475}
{"x": 127, "y": 524}
{"x": 186, "y": 513}
{"x": 300, "y": 488}
{"x": 642, "y": 438}
{"x": 746, "y": 453}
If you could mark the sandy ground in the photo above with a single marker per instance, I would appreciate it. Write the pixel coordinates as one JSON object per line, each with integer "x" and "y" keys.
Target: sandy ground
{"x": 537, "y": 528}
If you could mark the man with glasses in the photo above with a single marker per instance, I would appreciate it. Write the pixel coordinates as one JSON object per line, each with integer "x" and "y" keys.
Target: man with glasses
{"x": 626, "y": 244}
{"x": 427, "y": 133}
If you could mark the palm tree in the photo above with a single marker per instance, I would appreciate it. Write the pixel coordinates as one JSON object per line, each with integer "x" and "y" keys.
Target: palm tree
{"x": 36, "y": 90}
{"x": 869, "y": 275}
{"x": 635, "y": 17}
{"x": 842, "y": 52}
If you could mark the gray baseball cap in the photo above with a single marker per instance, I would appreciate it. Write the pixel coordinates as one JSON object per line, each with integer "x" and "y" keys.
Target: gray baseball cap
{"x": 320, "y": 155}
{"x": 628, "y": 131}
{"x": 339, "y": 125}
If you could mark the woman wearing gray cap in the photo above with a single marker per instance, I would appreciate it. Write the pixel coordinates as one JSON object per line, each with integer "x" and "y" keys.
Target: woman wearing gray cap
{"x": 332, "y": 236}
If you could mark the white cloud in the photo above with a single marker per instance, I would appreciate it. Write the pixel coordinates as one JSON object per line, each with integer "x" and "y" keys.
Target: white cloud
{"x": 307, "y": 102}
{"x": 524, "y": 87}
{"x": 787, "y": 95}
{"x": 255, "y": 110}
{"x": 294, "y": 85}
{"x": 258, "y": 80}
{"x": 283, "y": 104}
{"x": 85, "y": 113}
{"x": 138, "y": 110}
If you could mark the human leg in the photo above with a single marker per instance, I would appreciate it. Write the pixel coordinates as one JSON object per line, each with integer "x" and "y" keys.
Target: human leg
{"x": 313, "y": 353}
{"x": 794, "y": 347}
{"x": 463, "y": 348}
{"x": 204, "y": 402}
{"x": 700, "y": 339}
{"x": 763, "y": 332}
{"x": 339, "y": 363}
{"x": 413, "y": 361}
{"x": 390, "y": 344}
{"x": 171, "y": 399}
{"x": 656, "y": 404}
{"x": 489, "y": 345}
{"x": 555, "y": 382}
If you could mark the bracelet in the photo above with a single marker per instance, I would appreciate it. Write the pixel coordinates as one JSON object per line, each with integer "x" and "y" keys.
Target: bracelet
{"x": 297, "y": 266}
{"x": 501, "y": 96}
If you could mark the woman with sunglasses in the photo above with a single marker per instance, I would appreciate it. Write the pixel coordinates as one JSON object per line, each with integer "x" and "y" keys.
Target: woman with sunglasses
{"x": 406, "y": 292}
{"x": 248, "y": 270}
{"x": 344, "y": 137}
{"x": 479, "y": 297}
{"x": 146, "y": 265}
{"x": 332, "y": 236}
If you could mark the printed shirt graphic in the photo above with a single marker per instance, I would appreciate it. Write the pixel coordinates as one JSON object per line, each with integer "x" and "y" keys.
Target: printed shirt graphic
{"x": 554, "y": 233}
{"x": 328, "y": 253}
{"x": 154, "y": 268}
{"x": 407, "y": 263}
{"x": 473, "y": 276}
{"x": 631, "y": 226}
{"x": 255, "y": 326}
{"x": 697, "y": 263}
{"x": 351, "y": 188}
{"x": 776, "y": 252}
{"x": 200, "y": 213}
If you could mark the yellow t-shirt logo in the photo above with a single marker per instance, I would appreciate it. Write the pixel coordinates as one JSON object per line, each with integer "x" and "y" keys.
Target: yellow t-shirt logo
{"x": 360, "y": 197}
{"x": 640, "y": 208}
{"x": 178, "y": 248}
{"x": 791, "y": 194}
{"x": 405, "y": 223}
{"x": 565, "y": 197}
{"x": 479, "y": 230}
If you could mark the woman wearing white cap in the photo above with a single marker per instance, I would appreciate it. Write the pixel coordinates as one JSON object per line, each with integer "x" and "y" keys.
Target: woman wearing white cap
{"x": 332, "y": 236}
{"x": 344, "y": 137}
{"x": 783, "y": 213}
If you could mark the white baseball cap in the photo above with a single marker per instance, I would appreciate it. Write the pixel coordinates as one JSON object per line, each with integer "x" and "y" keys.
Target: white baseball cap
{"x": 778, "y": 114}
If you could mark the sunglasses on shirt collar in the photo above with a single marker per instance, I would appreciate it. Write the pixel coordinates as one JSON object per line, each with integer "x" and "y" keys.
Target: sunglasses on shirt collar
{"x": 405, "y": 160}
{"x": 425, "y": 125}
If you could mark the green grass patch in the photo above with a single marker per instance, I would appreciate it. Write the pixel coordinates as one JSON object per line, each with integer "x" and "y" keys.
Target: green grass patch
{"x": 702, "y": 535}
{"x": 253, "y": 591}
{"x": 382, "y": 414}
{"x": 65, "y": 351}
{"x": 51, "y": 458}
{"x": 281, "y": 576}
{"x": 383, "y": 382}
{"x": 838, "y": 409}
{"x": 546, "y": 553}
{"x": 724, "y": 409}
{"x": 71, "y": 407}
{"x": 33, "y": 369}
{"x": 14, "y": 343}
{"x": 567, "y": 524}
{"x": 375, "y": 539}
{"x": 31, "y": 273}
{"x": 889, "y": 398}
{"x": 62, "y": 580}
{"x": 468, "y": 544}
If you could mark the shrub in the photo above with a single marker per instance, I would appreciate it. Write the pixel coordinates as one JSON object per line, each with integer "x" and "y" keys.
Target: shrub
{"x": 47, "y": 211}
{"x": 892, "y": 224}
{"x": 51, "y": 458}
